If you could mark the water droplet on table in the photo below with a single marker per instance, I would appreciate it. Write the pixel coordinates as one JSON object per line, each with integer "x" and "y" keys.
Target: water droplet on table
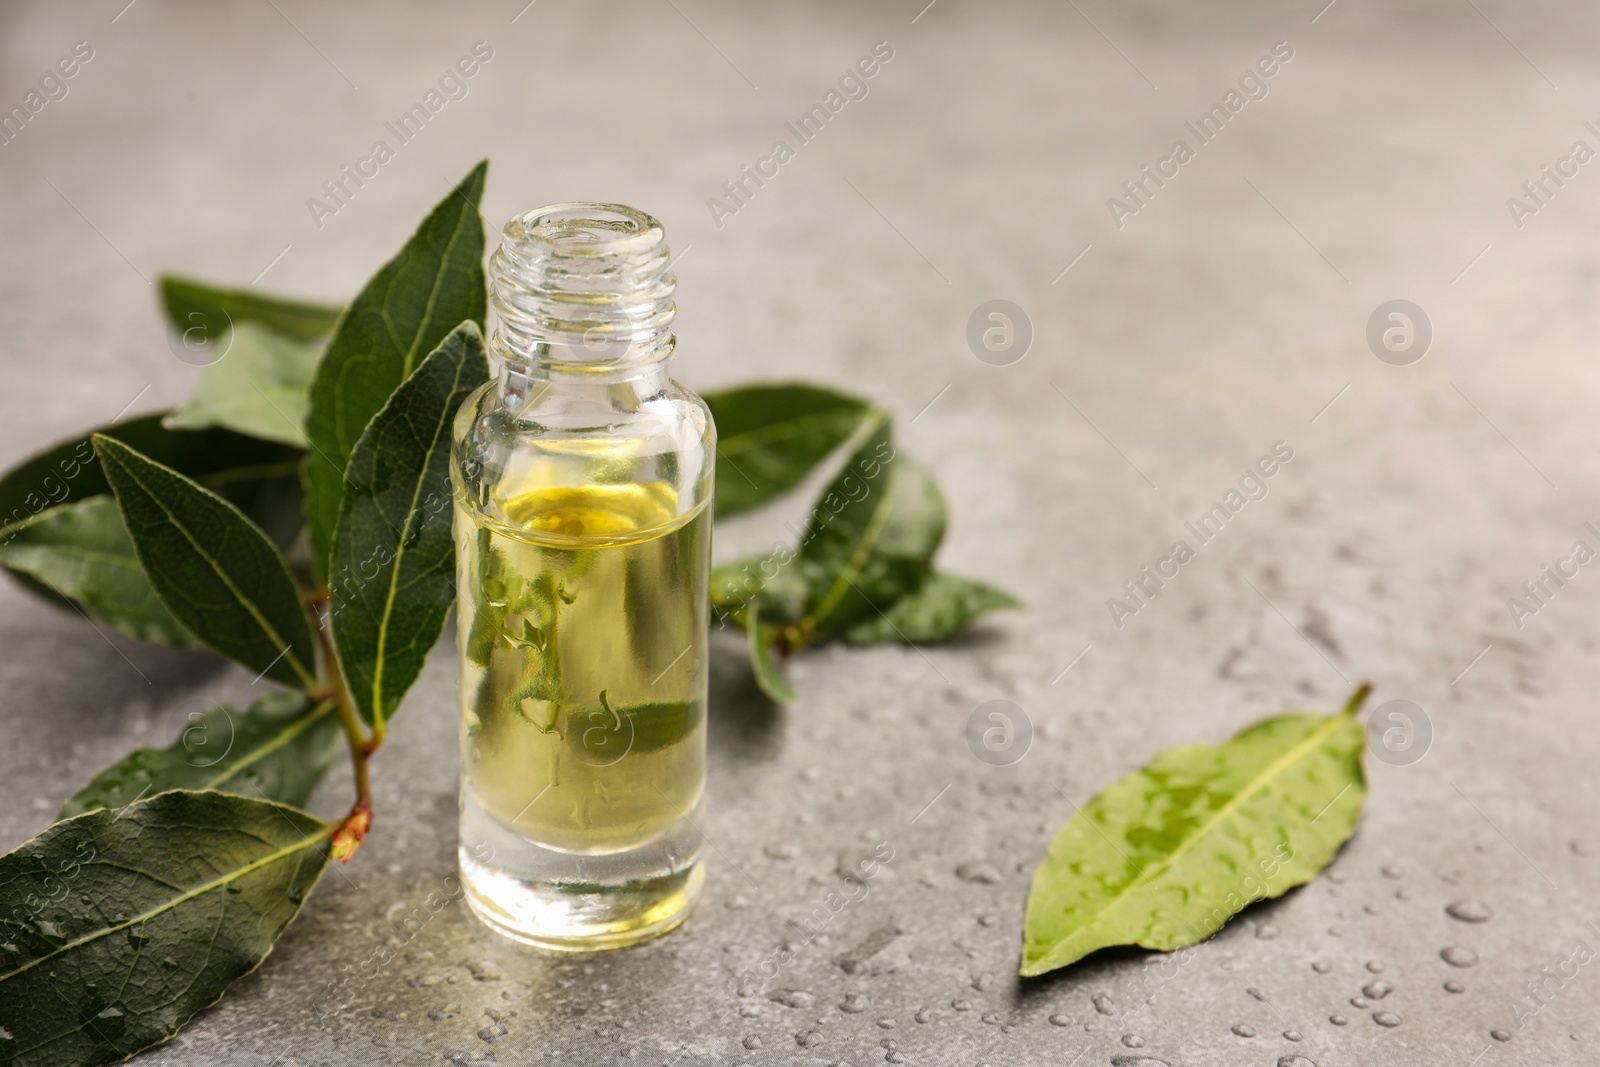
{"x": 855, "y": 1003}
{"x": 1377, "y": 989}
{"x": 979, "y": 872}
{"x": 1338, "y": 1020}
{"x": 486, "y": 971}
{"x": 1500, "y": 1035}
{"x": 1386, "y": 1018}
{"x": 1453, "y": 986}
{"x": 1469, "y": 911}
{"x": 1104, "y": 1004}
{"x": 752, "y": 1041}
{"x": 1244, "y": 1030}
{"x": 1456, "y": 956}
{"x": 1321, "y": 966}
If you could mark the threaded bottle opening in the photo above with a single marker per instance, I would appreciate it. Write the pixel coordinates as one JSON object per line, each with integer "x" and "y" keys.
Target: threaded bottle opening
{"x": 583, "y": 286}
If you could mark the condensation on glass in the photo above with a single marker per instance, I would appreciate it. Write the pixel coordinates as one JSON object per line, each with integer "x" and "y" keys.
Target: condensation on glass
{"x": 583, "y": 479}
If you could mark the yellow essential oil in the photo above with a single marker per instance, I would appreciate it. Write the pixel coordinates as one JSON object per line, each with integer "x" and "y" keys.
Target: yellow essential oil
{"x": 583, "y": 537}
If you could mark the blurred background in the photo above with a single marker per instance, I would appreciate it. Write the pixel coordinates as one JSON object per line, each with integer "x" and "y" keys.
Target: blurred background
{"x": 1169, "y": 332}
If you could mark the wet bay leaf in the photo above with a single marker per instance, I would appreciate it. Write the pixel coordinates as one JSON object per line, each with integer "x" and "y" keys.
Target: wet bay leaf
{"x": 216, "y": 571}
{"x": 278, "y": 750}
{"x": 769, "y": 437}
{"x": 392, "y": 577}
{"x": 120, "y": 925}
{"x": 81, "y": 552}
{"x": 435, "y": 282}
{"x": 1167, "y": 855}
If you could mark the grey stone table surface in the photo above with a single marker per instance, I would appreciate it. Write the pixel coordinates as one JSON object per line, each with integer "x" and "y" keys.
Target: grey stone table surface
{"x": 1175, "y": 339}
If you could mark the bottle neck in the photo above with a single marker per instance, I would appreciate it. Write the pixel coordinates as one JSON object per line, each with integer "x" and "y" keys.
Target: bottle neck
{"x": 582, "y": 293}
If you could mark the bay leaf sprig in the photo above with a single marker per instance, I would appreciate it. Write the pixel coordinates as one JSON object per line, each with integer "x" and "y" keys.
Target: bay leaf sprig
{"x": 160, "y": 526}
{"x": 294, "y": 515}
{"x": 1165, "y": 856}
{"x": 863, "y": 570}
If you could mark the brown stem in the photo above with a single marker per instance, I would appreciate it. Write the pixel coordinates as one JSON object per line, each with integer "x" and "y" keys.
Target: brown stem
{"x": 355, "y": 825}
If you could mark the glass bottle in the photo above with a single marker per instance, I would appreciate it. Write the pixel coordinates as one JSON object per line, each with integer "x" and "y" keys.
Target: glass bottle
{"x": 583, "y": 480}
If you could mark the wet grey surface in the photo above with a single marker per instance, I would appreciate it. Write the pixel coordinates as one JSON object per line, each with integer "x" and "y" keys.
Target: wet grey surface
{"x": 1228, "y": 313}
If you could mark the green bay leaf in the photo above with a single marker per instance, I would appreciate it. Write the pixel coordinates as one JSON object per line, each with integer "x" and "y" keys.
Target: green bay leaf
{"x": 1167, "y": 855}
{"x": 119, "y": 926}
{"x": 392, "y": 576}
{"x": 261, "y": 477}
{"x": 192, "y": 304}
{"x": 602, "y": 734}
{"x": 771, "y": 579}
{"x": 278, "y": 750}
{"x": 870, "y": 538}
{"x": 216, "y": 571}
{"x": 258, "y": 387}
{"x": 769, "y": 437}
{"x": 762, "y": 639}
{"x": 941, "y": 607}
{"x": 403, "y": 313}
{"x": 81, "y": 552}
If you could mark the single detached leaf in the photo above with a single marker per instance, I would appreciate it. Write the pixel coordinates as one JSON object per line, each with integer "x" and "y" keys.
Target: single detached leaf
{"x": 769, "y": 437}
{"x": 81, "y": 552}
{"x": 941, "y": 607}
{"x": 214, "y": 569}
{"x": 194, "y": 304}
{"x": 870, "y": 537}
{"x": 258, "y": 387}
{"x": 408, "y": 307}
{"x": 392, "y": 577}
{"x": 1165, "y": 856}
{"x": 278, "y": 750}
{"x": 249, "y": 472}
{"x": 121, "y": 925}
{"x": 768, "y": 676}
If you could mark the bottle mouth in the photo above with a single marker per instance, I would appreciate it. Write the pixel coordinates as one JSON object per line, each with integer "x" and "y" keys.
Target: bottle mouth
{"x": 583, "y": 229}
{"x": 583, "y": 285}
